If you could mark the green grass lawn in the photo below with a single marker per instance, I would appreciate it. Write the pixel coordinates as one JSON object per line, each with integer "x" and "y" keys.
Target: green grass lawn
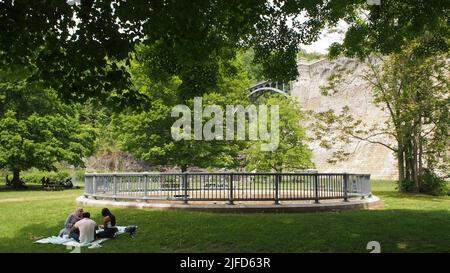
{"x": 407, "y": 223}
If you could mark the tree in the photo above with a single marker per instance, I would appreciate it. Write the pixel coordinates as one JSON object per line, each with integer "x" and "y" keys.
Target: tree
{"x": 145, "y": 130}
{"x": 414, "y": 91}
{"x": 391, "y": 26}
{"x": 84, "y": 50}
{"x": 292, "y": 152}
{"x": 36, "y": 129}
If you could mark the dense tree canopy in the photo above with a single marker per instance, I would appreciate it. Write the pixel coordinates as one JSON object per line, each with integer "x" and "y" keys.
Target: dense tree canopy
{"x": 82, "y": 50}
{"x": 292, "y": 153}
{"x": 145, "y": 131}
{"x": 36, "y": 128}
{"x": 151, "y": 55}
{"x": 394, "y": 25}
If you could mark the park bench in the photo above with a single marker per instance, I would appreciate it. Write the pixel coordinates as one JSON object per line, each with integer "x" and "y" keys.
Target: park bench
{"x": 56, "y": 185}
{"x": 214, "y": 185}
{"x": 51, "y": 185}
{"x": 169, "y": 184}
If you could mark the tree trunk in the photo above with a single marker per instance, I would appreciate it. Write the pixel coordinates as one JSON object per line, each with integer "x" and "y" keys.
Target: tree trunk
{"x": 183, "y": 168}
{"x": 401, "y": 167}
{"x": 407, "y": 157}
{"x": 400, "y": 161}
{"x": 415, "y": 162}
{"x": 410, "y": 159}
{"x": 420, "y": 153}
{"x": 16, "y": 182}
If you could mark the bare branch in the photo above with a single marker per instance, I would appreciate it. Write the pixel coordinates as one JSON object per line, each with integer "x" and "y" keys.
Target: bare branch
{"x": 374, "y": 142}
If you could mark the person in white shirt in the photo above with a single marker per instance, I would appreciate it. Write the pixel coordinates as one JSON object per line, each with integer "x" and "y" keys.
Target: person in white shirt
{"x": 87, "y": 227}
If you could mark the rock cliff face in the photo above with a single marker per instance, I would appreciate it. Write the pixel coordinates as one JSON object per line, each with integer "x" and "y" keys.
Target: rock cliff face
{"x": 115, "y": 161}
{"x": 356, "y": 94}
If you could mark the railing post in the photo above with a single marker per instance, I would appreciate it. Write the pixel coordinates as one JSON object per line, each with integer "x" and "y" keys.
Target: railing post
{"x": 145, "y": 186}
{"x": 345, "y": 175}
{"x": 115, "y": 186}
{"x": 230, "y": 196}
{"x": 366, "y": 186}
{"x": 94, "y": 185}
{"x": 87, "y": 185}
{"x": 277, "y": 186}
{"x": 185, "y": 187}
{"x": 316, "y": 188}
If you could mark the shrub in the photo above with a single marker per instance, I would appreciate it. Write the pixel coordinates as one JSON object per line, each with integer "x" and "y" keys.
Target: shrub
{"x": 407, "y": 186}
{"x": 433, "y": 184}
{"x": 35, "y": 177}
{"x": 79, "y": 176}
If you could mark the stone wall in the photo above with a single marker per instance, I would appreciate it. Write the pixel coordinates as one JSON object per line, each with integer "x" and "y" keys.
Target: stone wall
{"x": 356, "y": 94}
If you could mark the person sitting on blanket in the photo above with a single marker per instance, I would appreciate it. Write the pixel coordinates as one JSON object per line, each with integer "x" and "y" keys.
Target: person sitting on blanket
{"x": 70, "y": 221}
{"x": 86, "y": 228}
{"x": 109, "y": 225}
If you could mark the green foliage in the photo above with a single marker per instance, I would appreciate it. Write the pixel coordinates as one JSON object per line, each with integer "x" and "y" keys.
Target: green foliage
{"x": 433, "y": 184}
{"x": 79, "y": 175}
{"x": 407, "y": 185}
{"x": 292, "y": 152}
{"x": 335, "y": 50}
{"x": 430, "y": 183}
{"x": 279, "y": 66}
{"x": 254, "y": 70}
{"x": 36, "y": 128}
{"x": 414, "y": 89}
{"x": 310, "y": 56}
{"x": 36, "y": 176}
{"x": 392, "y": 26}
{"x": 88, "y": 57}
{"x": 41, "y": 141}
{"x": 99, "y": 117}
{"x": 145, "y": 131}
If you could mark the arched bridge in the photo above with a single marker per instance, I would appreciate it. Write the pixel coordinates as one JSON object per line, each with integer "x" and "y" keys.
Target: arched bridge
{"x": 268, "y": 86}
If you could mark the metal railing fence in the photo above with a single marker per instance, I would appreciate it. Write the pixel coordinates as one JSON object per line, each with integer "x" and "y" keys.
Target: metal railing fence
{"x": 229, "y": 187}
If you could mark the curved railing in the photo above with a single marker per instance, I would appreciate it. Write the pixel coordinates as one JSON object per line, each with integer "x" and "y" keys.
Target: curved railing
{"x": 227, "y": 186}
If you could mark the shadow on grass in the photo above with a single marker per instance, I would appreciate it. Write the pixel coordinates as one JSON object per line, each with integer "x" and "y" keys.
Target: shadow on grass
{"x": 25, "y": 237}
{"x": 169, "y": 231}
{"x": 32, "y": 188}
{"x": 412, "y": 196}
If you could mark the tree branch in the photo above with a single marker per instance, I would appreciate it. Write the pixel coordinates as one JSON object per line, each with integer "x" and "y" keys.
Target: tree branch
{"x": 374, "y": 142}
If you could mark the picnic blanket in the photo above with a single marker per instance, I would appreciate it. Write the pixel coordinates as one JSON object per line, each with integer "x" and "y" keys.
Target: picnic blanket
{"x": 56, "y": 240}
